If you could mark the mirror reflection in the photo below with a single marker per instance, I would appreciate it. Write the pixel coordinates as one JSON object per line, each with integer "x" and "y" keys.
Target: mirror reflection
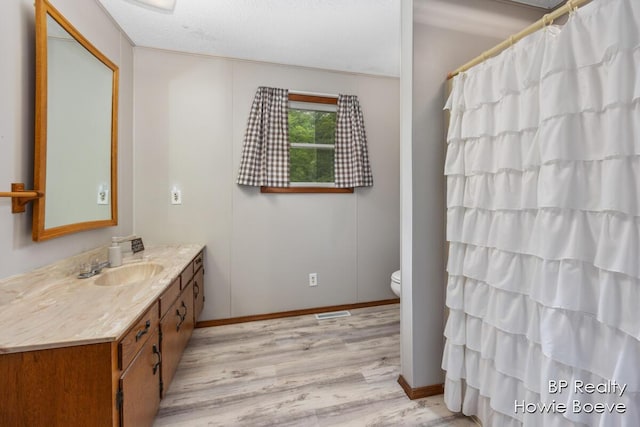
{"x": 76, "y": 117}
{"x": 78, "y": 132}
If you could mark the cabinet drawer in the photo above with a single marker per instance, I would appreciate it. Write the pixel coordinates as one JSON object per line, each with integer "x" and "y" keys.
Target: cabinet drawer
{"x": 135, "y": 338}
{"x": 169, "y": 296}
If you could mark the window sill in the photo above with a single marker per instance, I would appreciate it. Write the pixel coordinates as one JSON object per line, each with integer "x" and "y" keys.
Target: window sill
{"x": 305, "y": 190}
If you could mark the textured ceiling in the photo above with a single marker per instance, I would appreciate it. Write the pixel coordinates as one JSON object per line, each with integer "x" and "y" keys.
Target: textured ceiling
{"x": 347, "y": 35}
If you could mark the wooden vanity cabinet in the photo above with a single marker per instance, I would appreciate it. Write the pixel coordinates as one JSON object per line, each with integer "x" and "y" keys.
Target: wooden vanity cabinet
{"x": 65, "y": 386}
{"x": 176, "y": 327}
{"x": 180, "y": 306}
{"x": 110, "y": 384}
{"x": 104, "y": 384}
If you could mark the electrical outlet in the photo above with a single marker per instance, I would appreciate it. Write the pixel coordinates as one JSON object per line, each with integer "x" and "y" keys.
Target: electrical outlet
{"x": 176, "y": 196}
{"x": 103, "y": 196}
{"x": 313, "y": 279}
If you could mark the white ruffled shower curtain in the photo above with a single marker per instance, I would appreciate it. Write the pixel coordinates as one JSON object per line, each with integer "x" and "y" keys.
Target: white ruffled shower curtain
{"x": 543, "y": 220}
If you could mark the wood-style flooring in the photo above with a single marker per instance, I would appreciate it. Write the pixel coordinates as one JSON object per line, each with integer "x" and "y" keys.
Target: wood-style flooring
{"x": 299, "y": 371}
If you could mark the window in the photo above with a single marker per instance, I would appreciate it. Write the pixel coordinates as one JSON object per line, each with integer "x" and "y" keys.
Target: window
{"x": 311, "y": 135}
{"x": 312, "y": 125}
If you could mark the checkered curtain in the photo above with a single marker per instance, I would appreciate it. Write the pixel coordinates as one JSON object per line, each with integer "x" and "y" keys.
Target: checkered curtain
{"x": 265, "y": 155}
{"x": 352, "y": 167}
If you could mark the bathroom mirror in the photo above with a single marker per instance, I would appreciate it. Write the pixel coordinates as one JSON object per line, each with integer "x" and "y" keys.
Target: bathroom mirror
{"x": 75, "y": 163}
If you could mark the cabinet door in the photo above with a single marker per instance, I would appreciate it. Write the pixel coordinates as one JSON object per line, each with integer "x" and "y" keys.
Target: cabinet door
{"x": 198, "y": 294}
{"x": 177, "y": 326}
{"x": 140, "y": 386}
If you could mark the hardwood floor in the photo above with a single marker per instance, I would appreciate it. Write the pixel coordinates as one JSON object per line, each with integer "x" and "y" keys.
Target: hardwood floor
{"x": 299, "y": 371}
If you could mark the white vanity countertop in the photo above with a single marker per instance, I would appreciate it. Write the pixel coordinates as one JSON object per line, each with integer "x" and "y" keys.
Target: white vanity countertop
{"x": 50, "y": 307}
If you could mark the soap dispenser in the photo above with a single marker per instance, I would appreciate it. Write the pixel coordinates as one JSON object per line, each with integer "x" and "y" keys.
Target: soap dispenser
{"x": 115, "y": 254}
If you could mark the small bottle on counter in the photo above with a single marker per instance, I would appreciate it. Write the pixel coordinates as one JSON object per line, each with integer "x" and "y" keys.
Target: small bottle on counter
{"x": 115, "y": 254}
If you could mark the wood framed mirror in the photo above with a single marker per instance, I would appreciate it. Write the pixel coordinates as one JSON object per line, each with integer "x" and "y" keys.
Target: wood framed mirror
{"x": 76, "y": 128}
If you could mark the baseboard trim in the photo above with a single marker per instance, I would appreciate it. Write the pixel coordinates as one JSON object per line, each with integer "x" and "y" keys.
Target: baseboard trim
{"x": 420, "y": 392}
{"x": 267, "y": 316}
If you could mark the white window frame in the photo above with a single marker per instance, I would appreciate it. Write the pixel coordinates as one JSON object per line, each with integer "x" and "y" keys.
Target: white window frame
{"x": 312, "y": 106}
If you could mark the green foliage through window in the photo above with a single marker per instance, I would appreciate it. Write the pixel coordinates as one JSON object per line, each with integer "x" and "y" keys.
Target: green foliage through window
{"x": 311, "y": 164}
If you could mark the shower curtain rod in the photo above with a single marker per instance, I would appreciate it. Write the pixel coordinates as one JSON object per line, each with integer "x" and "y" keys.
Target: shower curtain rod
{"x": 543, "y": 22}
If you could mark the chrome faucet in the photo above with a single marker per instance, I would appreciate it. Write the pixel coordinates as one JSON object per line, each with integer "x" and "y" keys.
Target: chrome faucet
{"x": 95, "y": 269}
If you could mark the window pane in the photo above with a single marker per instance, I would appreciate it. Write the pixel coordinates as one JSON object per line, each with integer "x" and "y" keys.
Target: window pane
{"x": 312, "y": 127}
{"x": 311, "y": 165}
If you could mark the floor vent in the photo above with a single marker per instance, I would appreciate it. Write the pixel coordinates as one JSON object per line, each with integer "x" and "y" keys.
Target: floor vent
{"x": 333, "y": 315}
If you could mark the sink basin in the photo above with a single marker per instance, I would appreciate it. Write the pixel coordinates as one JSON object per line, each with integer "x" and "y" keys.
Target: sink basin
{"x": 128, "y": 274}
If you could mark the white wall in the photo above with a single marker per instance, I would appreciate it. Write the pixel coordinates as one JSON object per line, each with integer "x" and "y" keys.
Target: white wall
{"x": 190, "y": 119}
{"x": 446, "y": 34}
{"x": 18, "y": 253}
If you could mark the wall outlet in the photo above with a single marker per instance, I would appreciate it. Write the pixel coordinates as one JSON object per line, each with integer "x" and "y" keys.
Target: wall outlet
{"x": 103, "y": 196}
{"x": 313, "y": 279}
{"x": 176, "y": 196}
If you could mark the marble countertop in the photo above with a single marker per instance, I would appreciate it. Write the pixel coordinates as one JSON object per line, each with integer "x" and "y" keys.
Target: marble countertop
{"x": 50, "y": 307}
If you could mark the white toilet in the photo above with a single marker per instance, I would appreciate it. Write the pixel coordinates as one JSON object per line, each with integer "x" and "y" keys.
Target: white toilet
{"x": 395, "y": 283}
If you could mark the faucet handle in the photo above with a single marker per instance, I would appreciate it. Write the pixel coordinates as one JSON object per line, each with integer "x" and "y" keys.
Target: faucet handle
{"x": 84, "y": 267}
